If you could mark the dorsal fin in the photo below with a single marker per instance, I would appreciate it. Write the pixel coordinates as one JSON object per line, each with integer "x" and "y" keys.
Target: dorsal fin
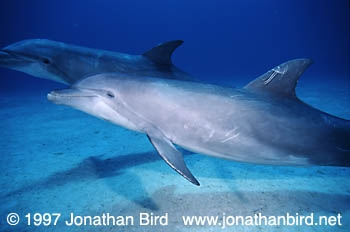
{"x": 161, "y": 54}
{"x": 282, "y": 79}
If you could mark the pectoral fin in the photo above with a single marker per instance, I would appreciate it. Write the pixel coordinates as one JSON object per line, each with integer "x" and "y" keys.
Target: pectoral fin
{"x": 172, "y": 156}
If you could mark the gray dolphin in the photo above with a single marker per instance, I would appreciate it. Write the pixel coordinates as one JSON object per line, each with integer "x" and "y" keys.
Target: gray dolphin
{"x": 68, "y": 64}
{"x": 262, "y": 123}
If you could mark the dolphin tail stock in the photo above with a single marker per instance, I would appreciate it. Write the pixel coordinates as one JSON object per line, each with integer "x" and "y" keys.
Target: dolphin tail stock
{"x": 281, "y": 82}
{"x": 161, "y": 54}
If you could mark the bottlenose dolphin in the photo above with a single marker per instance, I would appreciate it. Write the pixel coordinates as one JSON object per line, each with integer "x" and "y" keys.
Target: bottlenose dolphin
{"x": 68, "y": 64}
{"x": 261, "y": 123}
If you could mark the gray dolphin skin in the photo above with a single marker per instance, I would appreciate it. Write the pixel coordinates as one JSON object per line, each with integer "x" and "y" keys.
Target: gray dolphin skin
{"x": 68, "y": 64}
{"x": 261, "y": 123}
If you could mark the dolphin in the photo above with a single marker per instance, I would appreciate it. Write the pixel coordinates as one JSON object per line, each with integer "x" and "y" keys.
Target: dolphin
{"x": 262, "y": 123}
{"x": 68, "y": 64}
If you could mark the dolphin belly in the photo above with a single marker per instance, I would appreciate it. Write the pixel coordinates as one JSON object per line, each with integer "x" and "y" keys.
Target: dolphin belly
{"x": 231, "y": 138}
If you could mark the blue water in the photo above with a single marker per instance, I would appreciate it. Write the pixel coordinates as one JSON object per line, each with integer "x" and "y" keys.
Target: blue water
{"x": 230, "y": 39}
{"x": 56, "y": 159}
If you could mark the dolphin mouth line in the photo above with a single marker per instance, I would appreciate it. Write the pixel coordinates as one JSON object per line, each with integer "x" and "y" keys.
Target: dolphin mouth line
{"x": 4, "y": 54}
{"x": 13, "y": 54}
{"x": 62, "y": 95}
{"x": 15, "y": 58}
{"x": 57, "y": 93}
{"x": 4, "y": 51}
{"x": 70, "y": 96}
{"x": 20, "y": 56}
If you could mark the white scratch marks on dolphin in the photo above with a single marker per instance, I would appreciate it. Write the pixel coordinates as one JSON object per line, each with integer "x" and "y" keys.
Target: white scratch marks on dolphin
{"x": 211, "y": 134}
{"x": 229, "y": 138}
{"x": 231, "y": 131}
{"x": 270, "y": 78}
{"x": 230, "y": 135}
{"x": 275, "y": 71}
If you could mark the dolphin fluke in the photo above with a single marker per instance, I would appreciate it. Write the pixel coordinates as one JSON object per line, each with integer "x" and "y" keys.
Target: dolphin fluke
{"x": 282, "y": 79}
{"x": 161, "y": 54}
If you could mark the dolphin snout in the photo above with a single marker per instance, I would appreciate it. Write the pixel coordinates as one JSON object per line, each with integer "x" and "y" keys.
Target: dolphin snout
{"x": 5, "y": 57}
{"x": 55, "y": 97}
{"x": 3, "y": 54}
{"x": 63, "y": 96}
{"x": 14, "y": 60}
{"x": 52, "y": 95}
{"x": 61, "y": 93}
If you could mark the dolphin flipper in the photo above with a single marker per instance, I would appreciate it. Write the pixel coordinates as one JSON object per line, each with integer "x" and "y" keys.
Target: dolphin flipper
{"x": 161, "y": 54}
{"x": 172, "y": 156}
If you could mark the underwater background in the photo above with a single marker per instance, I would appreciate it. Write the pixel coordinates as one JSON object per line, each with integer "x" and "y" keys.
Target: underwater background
{"x": 56, "y": 159}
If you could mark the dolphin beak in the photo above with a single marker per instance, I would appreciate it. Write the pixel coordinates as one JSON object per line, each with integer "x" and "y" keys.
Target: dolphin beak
{"x": 10, "y": 59}
{"x": 5, "y": 57}
{"x": 3, "y": 54}
{"x": 66, "y": 96}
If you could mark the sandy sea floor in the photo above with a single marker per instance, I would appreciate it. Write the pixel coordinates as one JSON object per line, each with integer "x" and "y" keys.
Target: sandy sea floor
{"x": 55, "y": 159}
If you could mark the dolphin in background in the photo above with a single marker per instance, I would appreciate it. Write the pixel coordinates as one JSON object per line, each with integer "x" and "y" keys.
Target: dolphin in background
{"x": 68, "y": 64}
{"x": 262, "y": 123}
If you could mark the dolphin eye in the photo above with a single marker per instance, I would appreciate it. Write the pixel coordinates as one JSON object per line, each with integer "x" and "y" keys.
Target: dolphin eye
{"x": 110, "y": 94}
{"x": 46, "y": 61}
